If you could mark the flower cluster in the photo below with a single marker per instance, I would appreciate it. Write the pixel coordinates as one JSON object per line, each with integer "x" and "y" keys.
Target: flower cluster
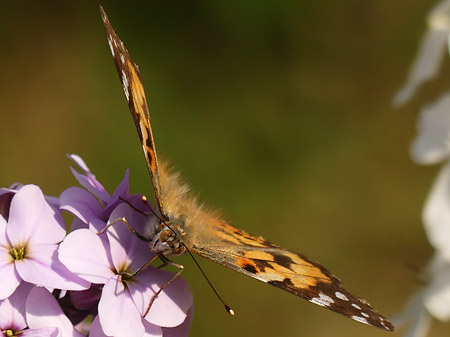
{"x": 432, "y": 146}
{"x": 91, "y": 280}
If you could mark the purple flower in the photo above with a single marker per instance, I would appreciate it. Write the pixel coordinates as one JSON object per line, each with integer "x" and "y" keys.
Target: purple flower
{"x": 29, "y": 242}
{"x": 111, "y": 259}
{"x": 33, "y": 311}
{"x": 43, "y": 311}
{"x": 93, "y": 206}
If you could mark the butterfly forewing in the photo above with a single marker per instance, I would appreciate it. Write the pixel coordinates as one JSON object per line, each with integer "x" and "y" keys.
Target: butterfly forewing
{"x": 134, "y": 92}
{"x": 208, "y": 236}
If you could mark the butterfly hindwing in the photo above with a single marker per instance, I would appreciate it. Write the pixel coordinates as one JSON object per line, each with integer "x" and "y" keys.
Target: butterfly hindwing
{"x": 134, "y": 91}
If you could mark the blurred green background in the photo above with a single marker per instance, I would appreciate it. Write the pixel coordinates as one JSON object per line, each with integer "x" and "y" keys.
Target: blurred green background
{"x": 278, "y": 113}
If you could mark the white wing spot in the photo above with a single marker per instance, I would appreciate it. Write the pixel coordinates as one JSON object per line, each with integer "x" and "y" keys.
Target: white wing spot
{"x": 110, "y": 46}
{"x": 115, "y": 43}
{"x": 122, "y": 58}
{"x": 341, "y": 296}
{"x": 322, "y": 300}
{"x": 360, "y": 319}
{"x": 364, "y": 314}
{"x": 125, "y": 85}
{"x": 356, "y": 306}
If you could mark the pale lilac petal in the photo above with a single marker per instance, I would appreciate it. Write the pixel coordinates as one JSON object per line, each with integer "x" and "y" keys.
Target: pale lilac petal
{"x": 83, "y": 252}
{"x": 121, "y": 191}
{"x": 52, "y": 201}
{"x": 42, "y": 332}
{"x": 432, "y": 143}
{"x": 426, "y": 65}
{"x": 80, "y": 203}
{"x": 170, "y": 307}
{"x": 77, "y": 224}
{"x": 118, "y": 315}
{"x": 96, "y": 329}
{"x": 10, "y": 279}
{"x": 97, "y": 225}
{"x": 32, "y": 218}
{"x": 44, "y": 311}
{"x": 183, "y": 329}
{"x": 85, "y": 326}
{"x": 12, "y": 309}
{"x": 436, "y": 213}
{"x": 126, "y": 248}
{"x": 152, "y": 330}
{"x": 88, "y": 181}
{"x": 42, "y": 267}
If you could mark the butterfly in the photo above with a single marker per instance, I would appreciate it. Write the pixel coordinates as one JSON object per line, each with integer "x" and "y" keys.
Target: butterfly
{"x": 186, "y": 226}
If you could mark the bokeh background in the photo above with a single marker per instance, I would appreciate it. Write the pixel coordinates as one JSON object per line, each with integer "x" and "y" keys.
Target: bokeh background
{"x": 278, "y": 113}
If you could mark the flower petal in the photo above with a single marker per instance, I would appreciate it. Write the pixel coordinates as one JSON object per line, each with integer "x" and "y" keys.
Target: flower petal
{"x": 436, "y": 213}
{"x": 426, "y": 64}
{"x": 152, "y": 330}
{"x": 12, "y": 309}
{"x": 10, "y": 278}
{"x": 183, "y": 329}
{"x": 32, "y": 218}
{"x": 432, "y": 143}
{"x": 121, "y": 191}
{"x": 126, "y": 248}
{"x": 88, "y": 181}
{"x": 42, "y": 332}
{"x": 170, "y": 307}
{"x": 80, "y": 203}
{"x": 118, "y": 315}
{"x": 96, "y": 329}
{"x": 83, "y": 252}
{"x": 43, "y": 311}
{"x": 42, "y": 267}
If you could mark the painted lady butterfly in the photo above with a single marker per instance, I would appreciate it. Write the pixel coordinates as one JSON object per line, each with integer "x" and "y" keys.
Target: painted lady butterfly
{"x": 186, "y": 226}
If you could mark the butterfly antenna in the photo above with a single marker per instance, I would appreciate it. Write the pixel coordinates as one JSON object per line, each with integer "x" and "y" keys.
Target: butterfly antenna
{"x": 227, "y": 308}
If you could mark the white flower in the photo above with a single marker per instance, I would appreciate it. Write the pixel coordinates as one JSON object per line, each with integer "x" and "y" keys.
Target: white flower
{"x": 432, "y": 143}
{"x": 431, "y": 146}
{"x": 431, "y": 52}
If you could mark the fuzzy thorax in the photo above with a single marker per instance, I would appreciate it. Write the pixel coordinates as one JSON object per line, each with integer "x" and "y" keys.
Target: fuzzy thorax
{"x": 185, "y": 215}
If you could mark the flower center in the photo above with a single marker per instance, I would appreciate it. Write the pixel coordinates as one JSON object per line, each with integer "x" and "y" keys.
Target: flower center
{"x": 11, "y": 333}
{"x": 17, "y": 254}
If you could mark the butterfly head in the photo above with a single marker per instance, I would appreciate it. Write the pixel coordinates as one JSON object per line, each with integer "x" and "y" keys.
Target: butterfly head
{"x": 168, "y": 239}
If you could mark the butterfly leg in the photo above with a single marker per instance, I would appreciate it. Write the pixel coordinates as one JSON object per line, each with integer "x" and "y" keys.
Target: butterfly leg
{"x": 166, "y": 262}
{"x": 132, "y": 230}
